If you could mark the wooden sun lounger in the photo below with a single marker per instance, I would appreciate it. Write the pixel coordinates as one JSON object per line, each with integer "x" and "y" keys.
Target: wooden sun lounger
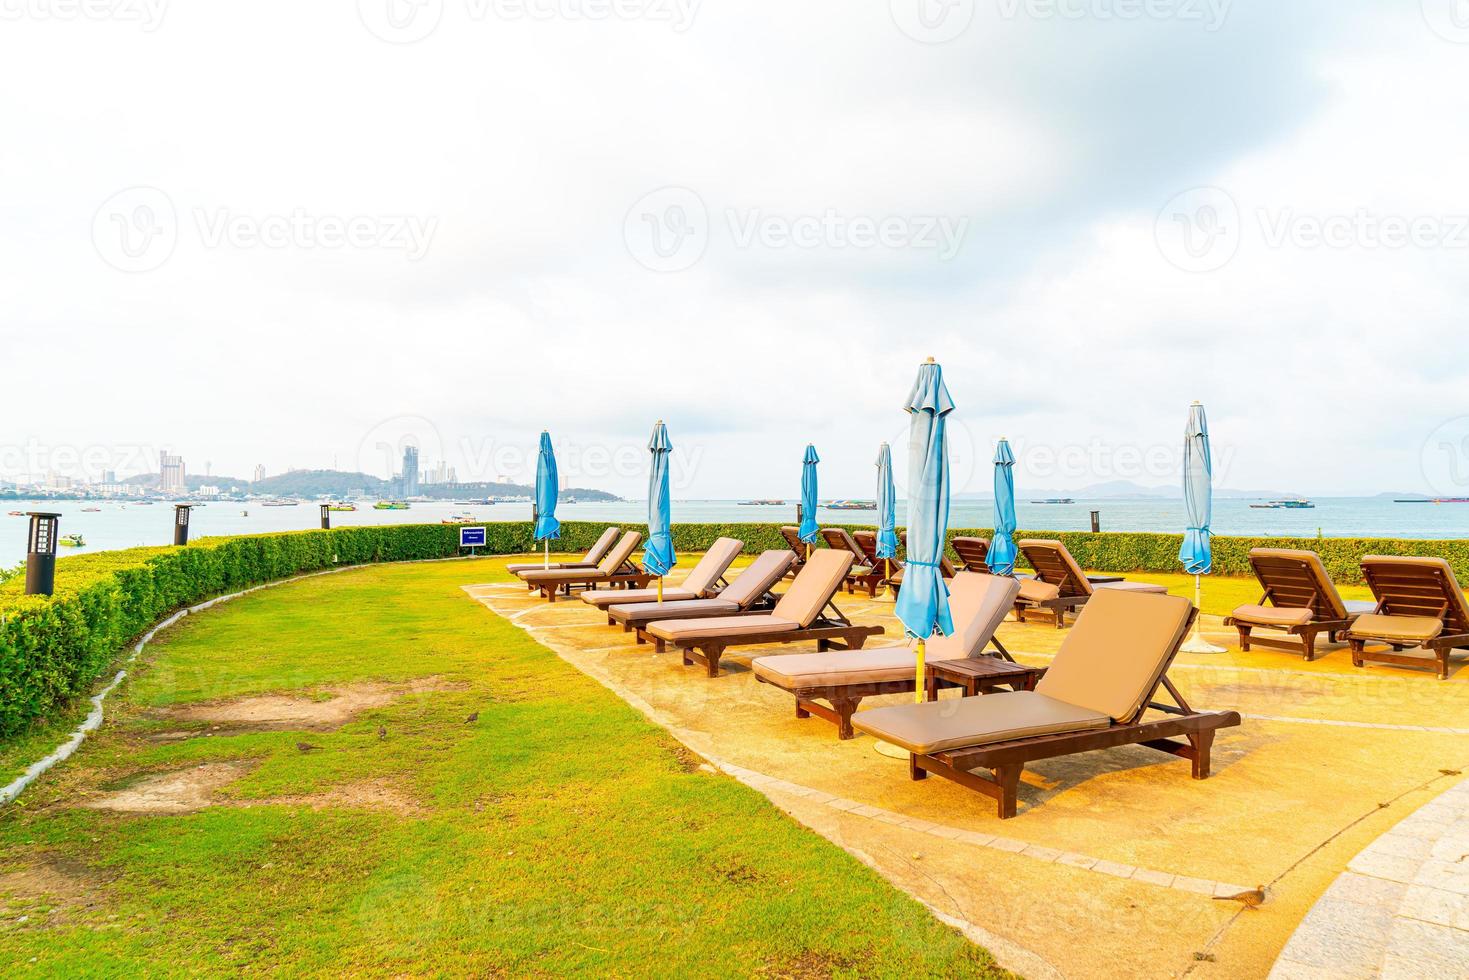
{"x": 591, "y": 559}
{"x": 1299, "y": 599}
{"x": 749, "y": 592}
{"x": 889, "y": 567}
{"x": 792, "y": 536}
{"x": 861, "y": 575}
{"x": 1060, "y": 586}
{"x": 617, "y": 570}
{"x": 805, "y": 612}
{"x": 703, "y": 580}
{"x": 972, "y": 552}
{"x": 979, "y": 605}
{"x": 1095, "y": 695}
{"x": 1420, "y": 605}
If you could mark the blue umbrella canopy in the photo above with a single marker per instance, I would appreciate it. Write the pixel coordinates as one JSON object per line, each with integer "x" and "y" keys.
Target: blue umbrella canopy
{"x": 547, "y": 488}
{"x": 1198, "y": 493}
{"x": 658, "y": 557}
{"x": 810, "y": 530}
{"x": 1001, "y": 558}
{"x": 923, "y": 605}
{"x": 887, "y": 505}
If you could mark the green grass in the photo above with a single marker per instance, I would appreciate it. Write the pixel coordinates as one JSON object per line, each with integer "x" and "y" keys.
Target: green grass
{"x": 559, "y": 832}
{"x": 1222, "y": 594}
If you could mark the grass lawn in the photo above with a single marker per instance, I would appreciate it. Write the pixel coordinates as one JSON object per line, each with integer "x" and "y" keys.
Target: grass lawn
{"x": 496, "y": 813}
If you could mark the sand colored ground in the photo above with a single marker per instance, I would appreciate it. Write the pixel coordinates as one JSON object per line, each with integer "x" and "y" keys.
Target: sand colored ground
{"x": 1117, "y": 860}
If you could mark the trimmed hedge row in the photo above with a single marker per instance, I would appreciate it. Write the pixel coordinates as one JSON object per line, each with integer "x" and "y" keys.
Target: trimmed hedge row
{"x": 53, "y": 649}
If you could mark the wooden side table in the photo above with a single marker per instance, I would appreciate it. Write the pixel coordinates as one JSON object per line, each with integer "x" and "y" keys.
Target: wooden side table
{"x": 978, "y": 675}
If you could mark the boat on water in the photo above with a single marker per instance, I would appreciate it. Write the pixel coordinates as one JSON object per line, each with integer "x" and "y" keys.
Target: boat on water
{"x": 459, "y": 519}
{"x": 342, "y": 508}
{"x": 280, "y": 503}
{"x": 390, "y": 505}
{"x": 91, "y": 510}
{"x": 1055, "y": 500}
{"x": 1297, "y": 503}
{"x": 17, "y": 513}
{"x": 72, "y": 541}
{"x": 850, "y": 505}
{"x": 761, "y": 503}
{"x": 1431, "y": 500}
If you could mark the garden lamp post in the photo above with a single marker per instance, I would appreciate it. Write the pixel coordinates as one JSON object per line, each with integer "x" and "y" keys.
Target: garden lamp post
{"x": 41, "y": 553}
{"x": 181, "y": 524}
{"x": 326, "y": 517}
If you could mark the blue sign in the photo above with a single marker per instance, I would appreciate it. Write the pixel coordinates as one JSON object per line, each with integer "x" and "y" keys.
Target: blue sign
{"x": 471, "y": 537}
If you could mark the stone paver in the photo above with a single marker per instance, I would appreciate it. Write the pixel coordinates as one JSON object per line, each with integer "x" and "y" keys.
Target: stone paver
{"x": 1401, "y": 910}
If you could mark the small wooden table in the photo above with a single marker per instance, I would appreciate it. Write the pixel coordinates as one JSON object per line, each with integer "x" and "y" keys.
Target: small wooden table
{"x": 978, "y": 675}
{"x": 1104, "y": 579}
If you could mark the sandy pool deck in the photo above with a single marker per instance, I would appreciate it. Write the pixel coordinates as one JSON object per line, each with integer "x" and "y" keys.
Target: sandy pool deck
{"x": 1118, "y": 861}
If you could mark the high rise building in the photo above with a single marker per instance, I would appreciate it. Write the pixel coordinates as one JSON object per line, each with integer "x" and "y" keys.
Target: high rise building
{"x": 410, "y": 471}
{"x": 170, "y": 473}
{"x": 259, "y": 472}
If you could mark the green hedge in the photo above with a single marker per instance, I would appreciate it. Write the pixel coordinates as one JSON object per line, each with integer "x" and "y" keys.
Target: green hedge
{"x": 53, "y": 649}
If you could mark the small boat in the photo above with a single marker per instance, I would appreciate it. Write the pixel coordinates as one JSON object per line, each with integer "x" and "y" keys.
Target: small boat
{"x": 279, "y": 503}
{"x": 91, "y": 510}
{"x": 1055, "y": 500}
{"x": 390, "y": 505}
{"x": 851, "y": 505}
{"x": 761, "y": 503}
{"x": 17, "y": 513}
{"x": 1299, "y": 503}
{"x": 72, "y": 541}
{"x": 342, "y": 508}
{"x": 1431, "y": 500}
{"x": 459, "y": 519}
{"x": 1269, "y": 506}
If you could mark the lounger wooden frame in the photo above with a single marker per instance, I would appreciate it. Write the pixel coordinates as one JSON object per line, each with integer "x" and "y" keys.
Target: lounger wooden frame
{"x": 792, "y": 536}
{"x": 863, "y": 575}
{"x": 1006, "y": 760}
{"x": 972, "y": 552}
{"x": 1414, "y": 590}
{"x": 627, "y": 576}
{"x": 845, "y": 699}
{"x": 831, "y": 630}
{"x": 887, "y": 567}
{"x": 1292, "y": 583}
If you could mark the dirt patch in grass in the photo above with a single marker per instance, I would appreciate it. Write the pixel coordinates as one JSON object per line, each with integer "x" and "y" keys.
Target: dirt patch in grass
{"x": 179, "y": 791}
{"x": 43, "y": 890}
{"x": 273, "y": 712}
{"x": 367, "y": 794}
{"x": 806, "y": 966}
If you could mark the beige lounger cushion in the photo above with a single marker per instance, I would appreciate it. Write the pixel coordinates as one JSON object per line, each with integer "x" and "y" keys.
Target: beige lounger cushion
{"x": 596, "y": 553}
{"x": 957, "y": 723}
{"x": 605, "y": 570}
{"x": 677, "y": 630}
{"x": 650, "y": 612}
{"x": 1034, "y": 590}
{"x": 602, "y": 598}
{"x": 1112, "y": 659}
{"x": 837, "y": 669}
{"x": 1075, "y": 580}
{"x": 1411, "y": 629}
{"x": 1283, "y": 617}
{"x": 1146, "y": 587}
{"x": 819, "y": 580}
{"x": 537, "y": 566}
{"x": 758, "y": 577}
{"x": 1325, "y": 587}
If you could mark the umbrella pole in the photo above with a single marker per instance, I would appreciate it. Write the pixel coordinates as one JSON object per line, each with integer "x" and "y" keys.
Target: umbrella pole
{"x": 660, "y": 588}
{"x": 1196, "y": 643}
{"x": 888, "y": 749}
{"x": 918, "y": 684}
{"x": 548, "y": 554}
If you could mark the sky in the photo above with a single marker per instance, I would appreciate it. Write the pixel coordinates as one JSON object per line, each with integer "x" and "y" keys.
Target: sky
{"x": 299, "y": 235}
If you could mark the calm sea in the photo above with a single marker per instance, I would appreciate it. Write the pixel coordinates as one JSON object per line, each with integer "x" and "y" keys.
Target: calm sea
{"x": 118, "y": 525}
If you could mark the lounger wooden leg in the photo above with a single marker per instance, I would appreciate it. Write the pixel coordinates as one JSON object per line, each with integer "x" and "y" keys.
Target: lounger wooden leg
{"x": 845, "y": 708}
{"x": 1356, "y": 646}
{"x": 1203, "y": 743}
{"x": 822, "y": 646}
{"x": 857, "y": 643}
{"x": 1443, "y": 665}
{"x": 915, "y": 771}
{"x": 1244, "y": 637}
{"x": 801, "y": 711}
{"x": 659, "y": 647}
{"x": 1308, "y": 645}
{"x": 641, "y": 641}
{"x": 1007, "y": 778}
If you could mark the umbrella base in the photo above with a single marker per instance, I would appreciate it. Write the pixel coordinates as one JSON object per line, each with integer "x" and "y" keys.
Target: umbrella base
{"x": 890, "y": 750}
{"x": 1197, "y": 644}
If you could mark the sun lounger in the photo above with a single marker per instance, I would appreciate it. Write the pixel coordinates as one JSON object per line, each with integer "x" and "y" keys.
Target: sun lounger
{"x": 805, "y": 612}
{"x": 1299, "y": 600}
{"x": 792, "y": 536}
{"x": 972, "y": 552}
{"x": 1095, "y": 695}
{"x": 1419, "y": 604}
{"x": 701, "y": 581}
{"x": 1060, "y": 586}
{"x": 862, "y": 575}
{"x": 750, "y": 591}
{"x": 591, "y": 559}
{"x": 979, "y": 604}
{"x": 867, "y": 541}
{"x": 617, "y": 569}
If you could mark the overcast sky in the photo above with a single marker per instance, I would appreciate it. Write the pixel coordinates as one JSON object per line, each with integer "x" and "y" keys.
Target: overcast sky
{"x": 296, "y": 234}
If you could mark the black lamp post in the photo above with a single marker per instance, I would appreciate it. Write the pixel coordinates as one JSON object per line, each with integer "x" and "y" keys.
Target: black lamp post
{"x": 326, "y": 517}
{"x": 1096, "y": 522}
{"x": 181, "y": 524}
{"x": 41, "y": 553}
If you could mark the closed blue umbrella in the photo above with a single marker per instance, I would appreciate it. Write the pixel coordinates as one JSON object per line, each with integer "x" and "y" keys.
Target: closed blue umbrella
{"x": 1001, "y": 557}
{"x": 658, "y": 557}
{"x": 1198, "y": 501}
{"x": 887, "y": 507}
{"x": 923, "y": 604}
{"x": 809, "y": 530}
{"x": 547, "y": 489}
